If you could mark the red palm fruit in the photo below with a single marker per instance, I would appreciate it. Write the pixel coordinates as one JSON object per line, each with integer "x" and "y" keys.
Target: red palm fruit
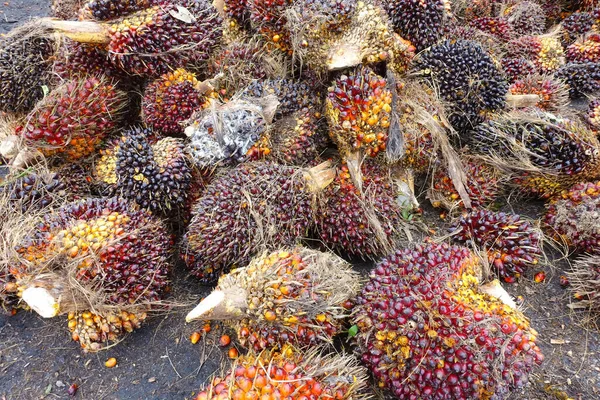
{"x": 287, "y": 296}
{"x": 517, "y": 68}
{"x": 512, "y": 243}
{"x": 545, "y": 51}
{"x": 584, "y": 282}
{"x": 428, "y": 330}
{"x": 81, "y": 59}
{"x": 359, "y": 110}
{"x": 74, "y": 118}
{"x": 104, "y": 246}
{"x": 585, "y": 50}
{"x": 269, "y": 18}
{"x": 289, "y": 374}
{"x": 497, "y": 26}
{"x": 484, "y": 184}
{"x": 553, "y": 93}
{"x": 247, "y": 208}
{"x": 593, "y": 114}
{"x": 237, "y": 10}
{"x": 155, "y": 40}
{"x": 572, "y": 217}
{"x": 359, "y": 223}
{"x": 171, "y": 100}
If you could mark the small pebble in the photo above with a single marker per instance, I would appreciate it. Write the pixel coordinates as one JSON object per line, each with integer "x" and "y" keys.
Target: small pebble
{"x": 111, "y": 362}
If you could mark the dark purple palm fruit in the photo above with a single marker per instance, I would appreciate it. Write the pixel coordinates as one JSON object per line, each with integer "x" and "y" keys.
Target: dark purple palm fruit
{"x": 247, "y": 209}
{"x": 576, "y": 25}
{"x": 517, "y": 68}
{"x": 512, "y": 244}
{"x": 572, "y": 218}
{"x": 497, "y": 26}
{"x": 104, "y": 10}
{"x": 427, "y": 329}
{"x": 583, "y": 78}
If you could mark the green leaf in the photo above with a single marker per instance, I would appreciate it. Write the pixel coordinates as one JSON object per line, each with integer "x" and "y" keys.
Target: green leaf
{"x": 46, "y": 90}
{"x": 353, "y": 331}
{"x": 48, "y": 389}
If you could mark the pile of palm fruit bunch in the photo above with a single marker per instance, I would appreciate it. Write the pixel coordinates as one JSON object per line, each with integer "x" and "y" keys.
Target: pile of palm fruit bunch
{"x": 272, "y": 149}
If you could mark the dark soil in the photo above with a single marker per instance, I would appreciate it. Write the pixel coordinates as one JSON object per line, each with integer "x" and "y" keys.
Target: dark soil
{"x": 38, "y": 360}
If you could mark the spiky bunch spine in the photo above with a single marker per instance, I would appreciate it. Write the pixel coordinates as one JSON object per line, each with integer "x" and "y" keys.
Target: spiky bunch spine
{"x": 585, "y": 50}
{"x": 545, "y": 151}
{"x": 154, "y": 175}
{"x": 582, "y": 78}
{"x": 359, "y": 110}
{"x": 292, "y": 95}
{"x": 24, "y": 72}
{"x": 359, "y": 224}
{"x": 253, "y": 205}
{"x": 295, "y": 296}
{"x": 75, "y": 117}
{"x": 517, "y": 68}
{"x": 553, "y": 93}
{"x": 170, "y": 100}
{"x": 572, "y": 218}
{"x": 526, "y": 18}
{"x": 593, "y": 114}
{"x": 153, "y": 41}
{"x": 420, "y": 22}
{"x": 467, "y": 79}
{"x": 497, "y": 26}
{"x": 93, "y": 330}
{"x": 584, "y": 282}
{"x": 104, "y": 10}
{"x": 289, "y": 374}
{"x": 427, "y": 331}
{"x": 512, "y": 243}
{"x": 483, "y": 185}
{"x": 576, "y": 25}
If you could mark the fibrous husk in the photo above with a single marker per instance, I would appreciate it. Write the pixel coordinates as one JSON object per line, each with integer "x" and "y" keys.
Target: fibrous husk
{"x": 584, "y": 283}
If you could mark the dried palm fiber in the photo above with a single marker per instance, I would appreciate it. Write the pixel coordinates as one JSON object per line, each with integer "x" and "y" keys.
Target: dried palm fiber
{"x": 152, "y": 41}
{"x": 584, "y": 283}
{"x": 467, "y": 10}
{"x": 224, "y": 133}
{"x": 553, "y": 93}
{"x": 370, "y": 38}
{"x": 428, "y": 329}
{"x": 152, "y": 172}
{"x": 25, "y": 66}
{"x": 291, "y": 374}
{"x": 103, "y": 261}
{"x": 511, "y": 243}
{"x": 362, "y": 221}
{"x": 572, "y": 217}
{"x": 66, "y": 9}
{"x": 14, "y": 152}
{"x": 467, "y": 80}
{"x": 74, "y": 118}
{"x": 248, "y": 209}
{"x": 544, "y": 152}
{"x": 292, "y": 295}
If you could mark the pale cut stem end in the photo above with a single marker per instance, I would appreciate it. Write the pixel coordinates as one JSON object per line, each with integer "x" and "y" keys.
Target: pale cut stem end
{"x": 344, "y": 56}
{"x": 206, "y": 306}
{"x": 79, "y": 31}
{"x": 495, "y": 289}
{"x": 321, "y": 176}
{"x": 522, "y": 100}
{"x": 41, "y": 301}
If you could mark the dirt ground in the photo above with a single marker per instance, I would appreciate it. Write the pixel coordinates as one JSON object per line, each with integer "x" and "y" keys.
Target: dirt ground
{"x": 38, "y": 360}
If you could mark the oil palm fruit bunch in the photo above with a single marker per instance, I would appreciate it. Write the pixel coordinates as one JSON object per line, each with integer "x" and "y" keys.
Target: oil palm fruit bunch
{"x": 358, "y": 109}
{"x": 236, "y": 10}
{"x": 248, "y": 208}
{"x": 104, "y": 10}
{"x": 584, "y": 282}
{"x": 269, "y": 19}
{"x": 103, "y": 253}
{"x": 512, "y": 243}
{"x": 526, "y": 18}
{"x": 516, "y": 68}
{"x": 294, "y": 296}
{"x": 428, "y": 330}
{"x": 370, "y": 38}
{"x": 25, "y": 66}
{"x": 576, "y": 25}
{"x": 290, "y": 374}
{"x": 152, "y": 41}
{"x": 420, "y": 22}
{"x": 360, "y": 221}
{"x": 467, "y": 79}
{"x": 572, "y": 217}
{"x": 78, "y": 60}
{"x": 74, "y": 118}
{"x": 583, "y": 78}
{"x": 553, "y": 93}
{"x": 546, "y": 153}
{"x": 66, "y": 9}
{"x": 150, "y": 172}
{"x": 593, "y": 114}
{"x": 497, "y": 26}
{"x": 171, "y": 100}
{"x": 484, "y": 185}
{"x": 545, "y": 51}
{"x": 584, "y": 50}
{"x": 225, "y": 133}
{"x": 292, "y": 95}
{"x": 33, "y": 190}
